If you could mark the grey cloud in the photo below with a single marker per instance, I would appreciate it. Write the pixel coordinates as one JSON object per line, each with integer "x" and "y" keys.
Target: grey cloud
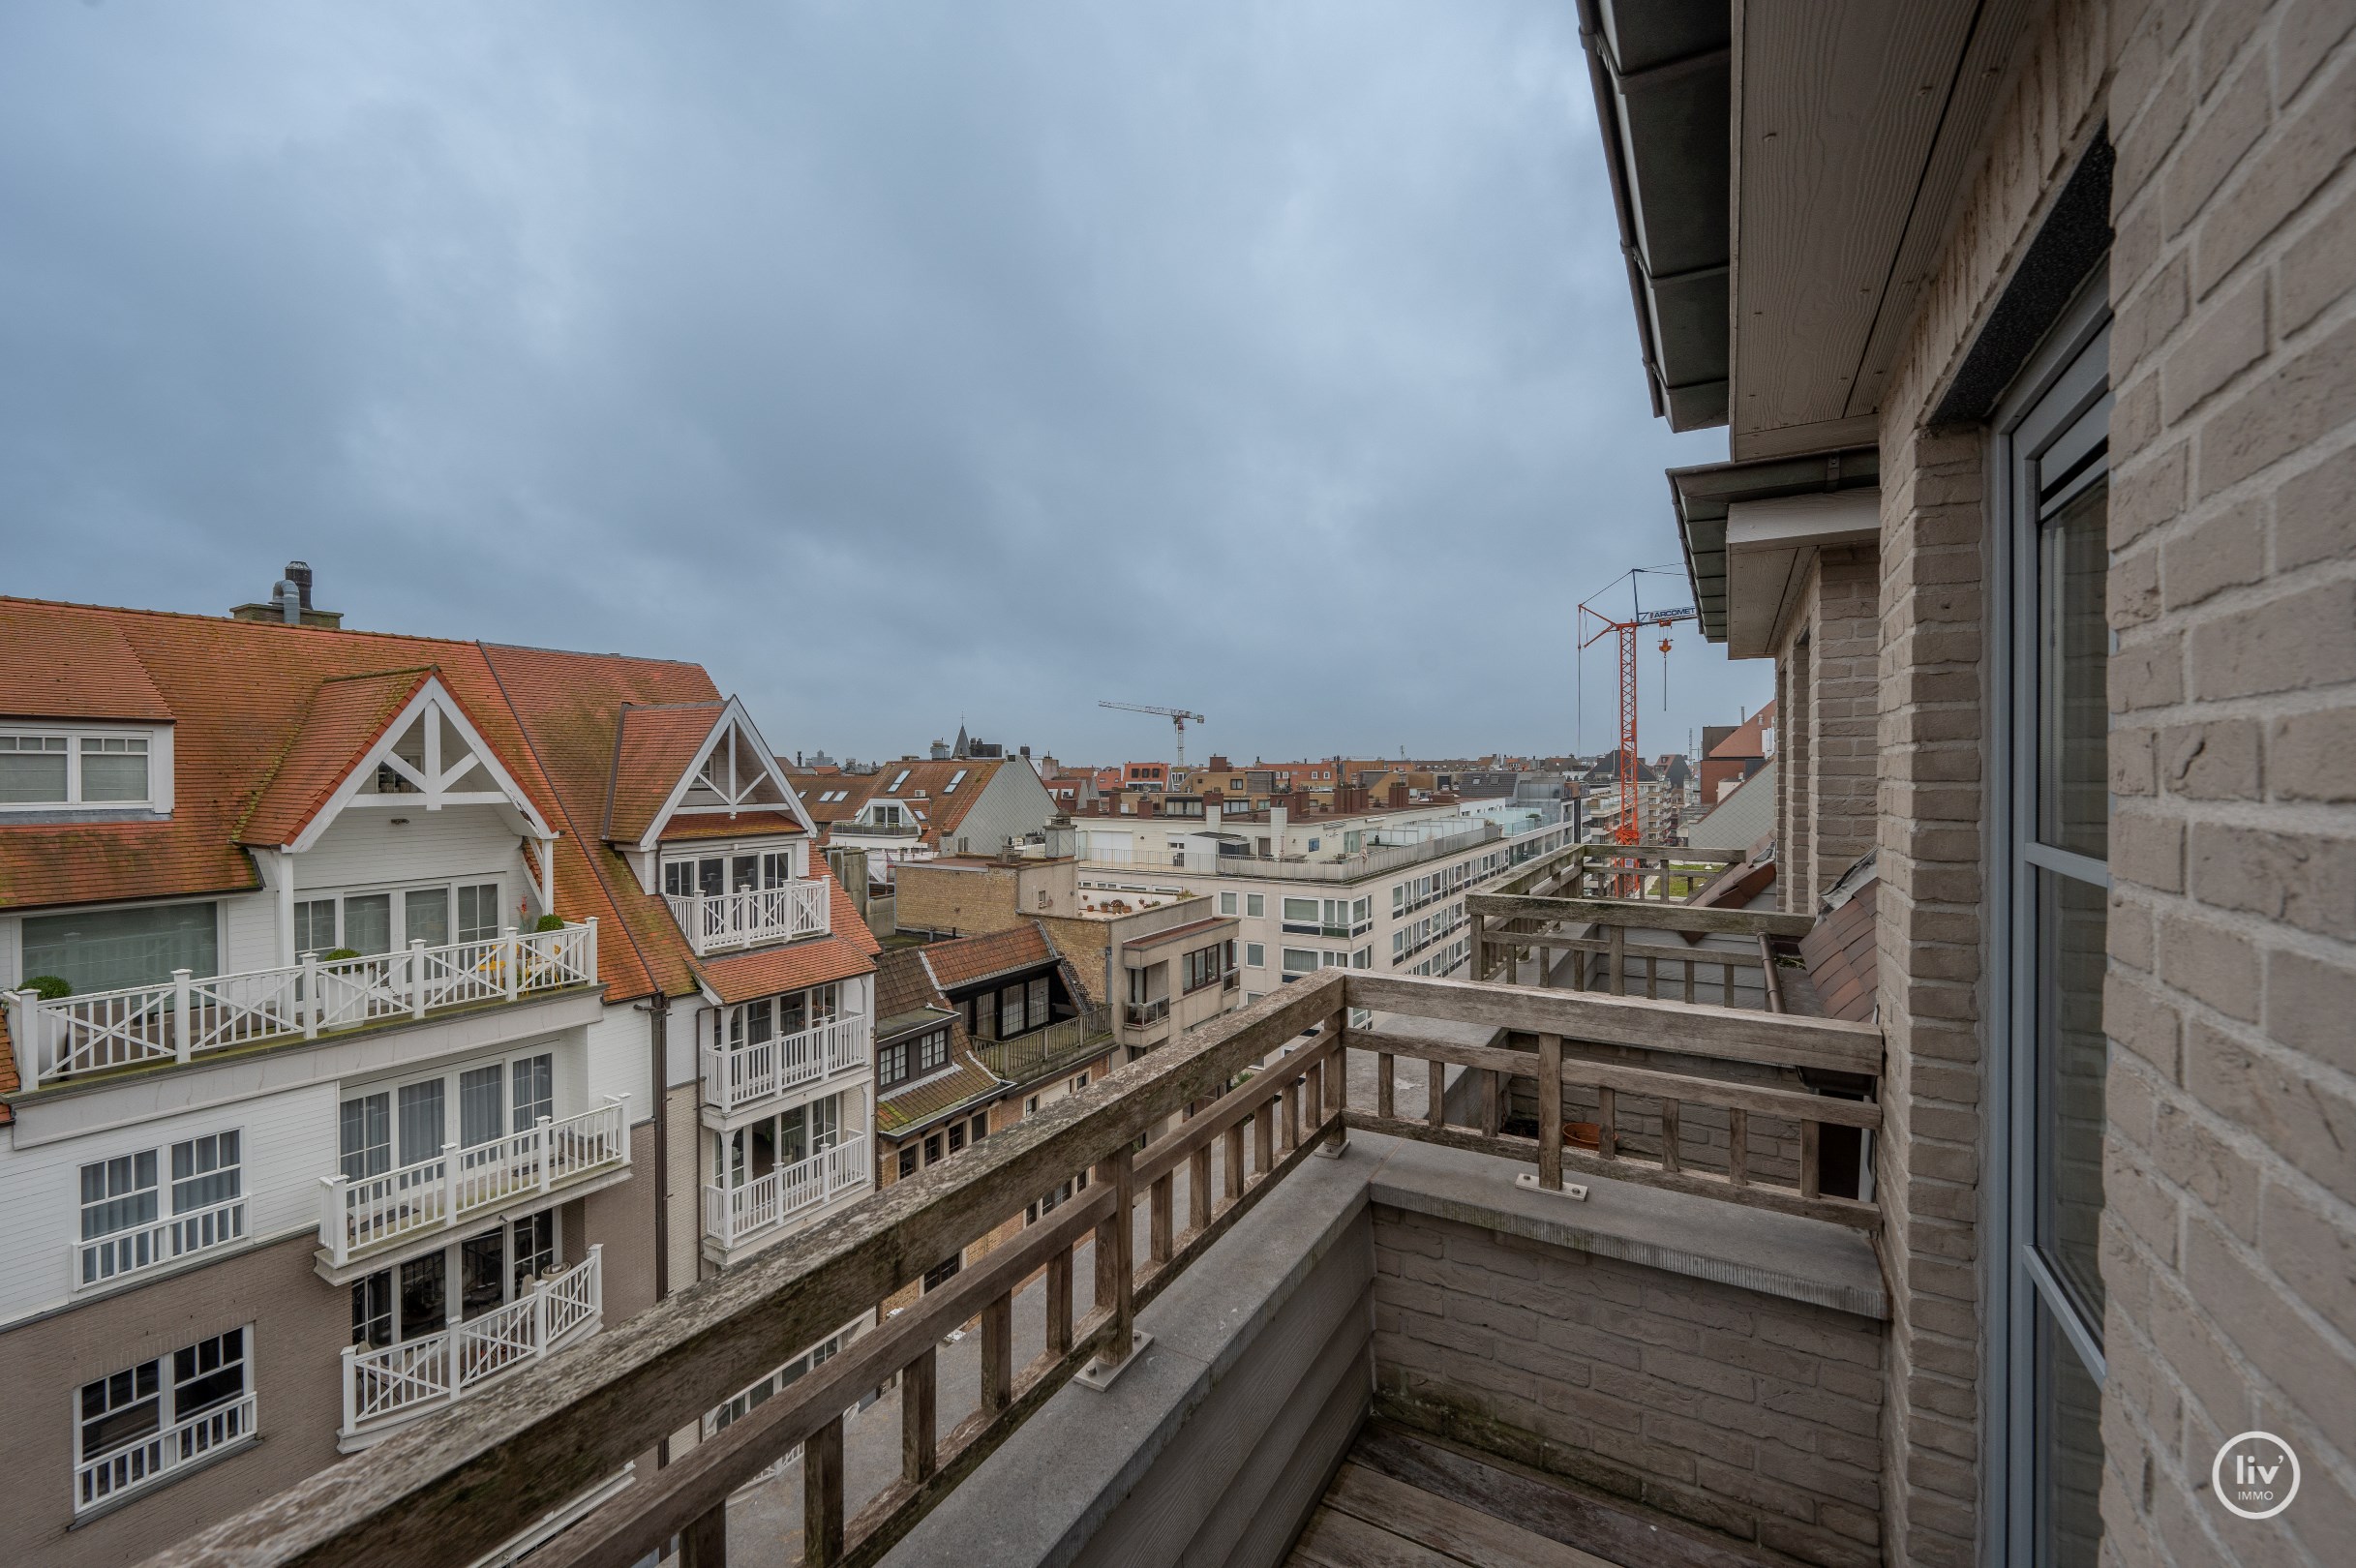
{"x": 898, "y": 362}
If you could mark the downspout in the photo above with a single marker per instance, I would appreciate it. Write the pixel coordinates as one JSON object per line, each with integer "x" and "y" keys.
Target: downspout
{"x": 659, "y": 1018}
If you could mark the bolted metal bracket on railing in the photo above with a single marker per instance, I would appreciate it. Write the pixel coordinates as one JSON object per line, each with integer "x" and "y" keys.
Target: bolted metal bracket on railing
{"x": 1528, "y": 1182}
{"x": 1100, "y": 1373}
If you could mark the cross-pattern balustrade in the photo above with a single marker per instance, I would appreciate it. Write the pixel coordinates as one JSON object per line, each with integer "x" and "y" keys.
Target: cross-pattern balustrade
{"x": 387, "y": 1384}
{"x": 720, "y": 922}
{"x": 186, "y": 1017}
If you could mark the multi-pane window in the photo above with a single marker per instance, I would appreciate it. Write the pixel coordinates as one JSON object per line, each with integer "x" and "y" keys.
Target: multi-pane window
{"x": 932, "y": 1052}
{"x": 370, "y": 923}
{"x": 207, "y": 1172}
{"x": 1205, "y": 965}
{"x": 383, "y": 1129}
{"x": 118, "y": 1194}
{"x": 1256, "y": 904}
{"x": 137, "y": 1426}
{"x": 61, "y": 769}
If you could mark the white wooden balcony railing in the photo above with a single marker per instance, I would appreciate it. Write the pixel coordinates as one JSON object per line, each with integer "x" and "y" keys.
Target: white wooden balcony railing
{"x": 733, "y": 1215}
{"x": 744, "y": 1075}
{"x": 719, "y": 922}
{"x": 128, "y": 1253}
{"x": 359, "y": 1216}
{"x": 387, "y": 1384}
{"x": 146, "y": 1460}
{"x": 187, "y": 1018}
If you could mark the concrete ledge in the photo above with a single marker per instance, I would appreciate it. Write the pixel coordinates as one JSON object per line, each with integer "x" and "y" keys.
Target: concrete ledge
{"x": 1775, "y": 1255}
{"x": 1270, "y": 1312}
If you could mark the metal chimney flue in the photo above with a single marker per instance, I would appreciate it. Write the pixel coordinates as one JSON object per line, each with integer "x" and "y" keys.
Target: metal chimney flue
{"x": 299, "y": 572}
{"x": 289, "y": 597}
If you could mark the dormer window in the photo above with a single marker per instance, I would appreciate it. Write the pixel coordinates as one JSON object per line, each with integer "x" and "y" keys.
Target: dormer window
{"x": 53, "y": 769}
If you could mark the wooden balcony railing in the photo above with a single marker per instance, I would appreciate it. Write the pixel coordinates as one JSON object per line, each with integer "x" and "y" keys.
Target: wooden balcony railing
{"x": 190, "y": 1016}
{"x": 720, "y": 922}
{"x": 1253, "y": 1093}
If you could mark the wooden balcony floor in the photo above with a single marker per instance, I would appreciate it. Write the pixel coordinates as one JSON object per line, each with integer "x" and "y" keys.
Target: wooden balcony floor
{"x": 1406, "y": 1501}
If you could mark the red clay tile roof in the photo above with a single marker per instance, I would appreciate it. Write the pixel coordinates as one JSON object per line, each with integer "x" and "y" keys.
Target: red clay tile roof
{"x": 963, "y": 960}
{"x": 813, "y": 784}
{"x": 904, "y": 985}
{"x": 348, "y": 715}
{"x": 743, "y": 825}
{"x": 62, "y": 666}
{"x": 1842, "y": 958}
{"x": 652, "y": 746}
{"x": 238, "y": 692}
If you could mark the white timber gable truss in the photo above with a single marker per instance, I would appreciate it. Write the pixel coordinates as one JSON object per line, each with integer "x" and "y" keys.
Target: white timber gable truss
{"x": 732, "y": 773}
{"x": 431, "y": 758}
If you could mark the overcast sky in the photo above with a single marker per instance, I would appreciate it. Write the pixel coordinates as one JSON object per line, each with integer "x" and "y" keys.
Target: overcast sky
{"x": 902, "y": 363}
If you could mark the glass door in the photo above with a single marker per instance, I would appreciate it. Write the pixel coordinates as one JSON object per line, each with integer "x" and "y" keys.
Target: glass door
{"x": 2057, "y": 880}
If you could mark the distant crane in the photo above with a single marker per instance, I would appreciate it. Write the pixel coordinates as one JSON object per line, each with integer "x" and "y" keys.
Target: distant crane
{"x": 1176, "y": 716}
{"x": 1630, "y": 831}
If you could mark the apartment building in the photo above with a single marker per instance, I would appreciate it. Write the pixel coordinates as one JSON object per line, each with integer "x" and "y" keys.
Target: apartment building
{"x": 338, "y": 968}
{"x": 1369, "y": 890}
{"x": 918, "y": 808}
{"x": 1732, "y": 753}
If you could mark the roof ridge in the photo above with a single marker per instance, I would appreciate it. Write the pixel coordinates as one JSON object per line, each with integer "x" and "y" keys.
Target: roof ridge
{"x": 380, "y": 675}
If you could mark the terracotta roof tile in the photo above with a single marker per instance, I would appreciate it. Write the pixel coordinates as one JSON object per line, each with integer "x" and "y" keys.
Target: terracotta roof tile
{"x": 744, "y": 825}
{"x": 1842, "y": 960}
{"x": 904, "y": 985}
{"x": 61, "y": 665}
{"x": 652, "y": 746}
{"x": 346, "y": 716}
{"x": 963, "y": 960}
{"x": 967, "y": 1082}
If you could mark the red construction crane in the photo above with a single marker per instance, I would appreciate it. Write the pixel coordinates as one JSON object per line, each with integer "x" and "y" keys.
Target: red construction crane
{"x": 1630, "y": 830}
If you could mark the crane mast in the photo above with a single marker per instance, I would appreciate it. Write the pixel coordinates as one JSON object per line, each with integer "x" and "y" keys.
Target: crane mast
{"x": 1630, "y": 827}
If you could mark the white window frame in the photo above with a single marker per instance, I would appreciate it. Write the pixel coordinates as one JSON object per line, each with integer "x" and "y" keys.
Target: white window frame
{"x": 167, "y": 1457}
{"x": 158, "y": 742}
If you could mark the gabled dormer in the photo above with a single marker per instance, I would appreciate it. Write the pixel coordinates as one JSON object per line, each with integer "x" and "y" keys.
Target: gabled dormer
{"x": 706, "y": 818}
{"x": 84, "y": 734}
{"x": 394, "y": 741}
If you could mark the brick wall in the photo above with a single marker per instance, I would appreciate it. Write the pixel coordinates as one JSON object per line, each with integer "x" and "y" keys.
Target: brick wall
{"x": 2229, "y": 1236}
{"x": 1795, "y": 746}
{"x": 1931, "y": 803}
{"x": 1844, "y": 674}
{"x": 964, "y": 899}
{"x": 1749, "y": 1414}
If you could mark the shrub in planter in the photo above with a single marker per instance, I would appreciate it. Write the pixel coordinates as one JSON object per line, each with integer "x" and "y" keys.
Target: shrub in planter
{"x": 338, "y": 954}
{"x": 47, "y": 987}
{"x": 549, "y": 923}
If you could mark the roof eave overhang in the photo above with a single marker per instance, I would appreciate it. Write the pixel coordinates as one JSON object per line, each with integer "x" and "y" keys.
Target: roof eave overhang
{"x": 1663, "y": 95}
{"x": 1704, "y": 494}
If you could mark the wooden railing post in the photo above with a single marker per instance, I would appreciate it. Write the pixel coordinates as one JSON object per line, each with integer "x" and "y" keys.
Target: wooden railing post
{"x": 1059, "y": 1303}
{"x": 704, "y": 1544}
{"x": 311, "y": 1000}
{"x": 449, "y": 1187}
{"x": 1198, "y": 1188}
{"x": 183, "y": 1038}
{"x": 1333, "y": 1086}
{"x": 417, "y": 977}
{"x": 822, "y": 1497}
{"x": 1606, "y": 1123}
{"x": 1435, "y": 1082}
{"x": 1122, "y": 1250}
{"x": 919, "y": 1452}
{"x": 1738, "y": 1147}
{"x": 1549, "y": 1112}
{"x": 1672, "y": 1158}
{"x": 511, "y": 961}
{"x": 1161, "y": 1218}
{"x": 1235, "y": 1166}
{"x": 1810, "y": 1176}
{"x": 1618, "y": 958}
{"x": 334, "y": 1227}
{"x": 997, "y": 1354}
